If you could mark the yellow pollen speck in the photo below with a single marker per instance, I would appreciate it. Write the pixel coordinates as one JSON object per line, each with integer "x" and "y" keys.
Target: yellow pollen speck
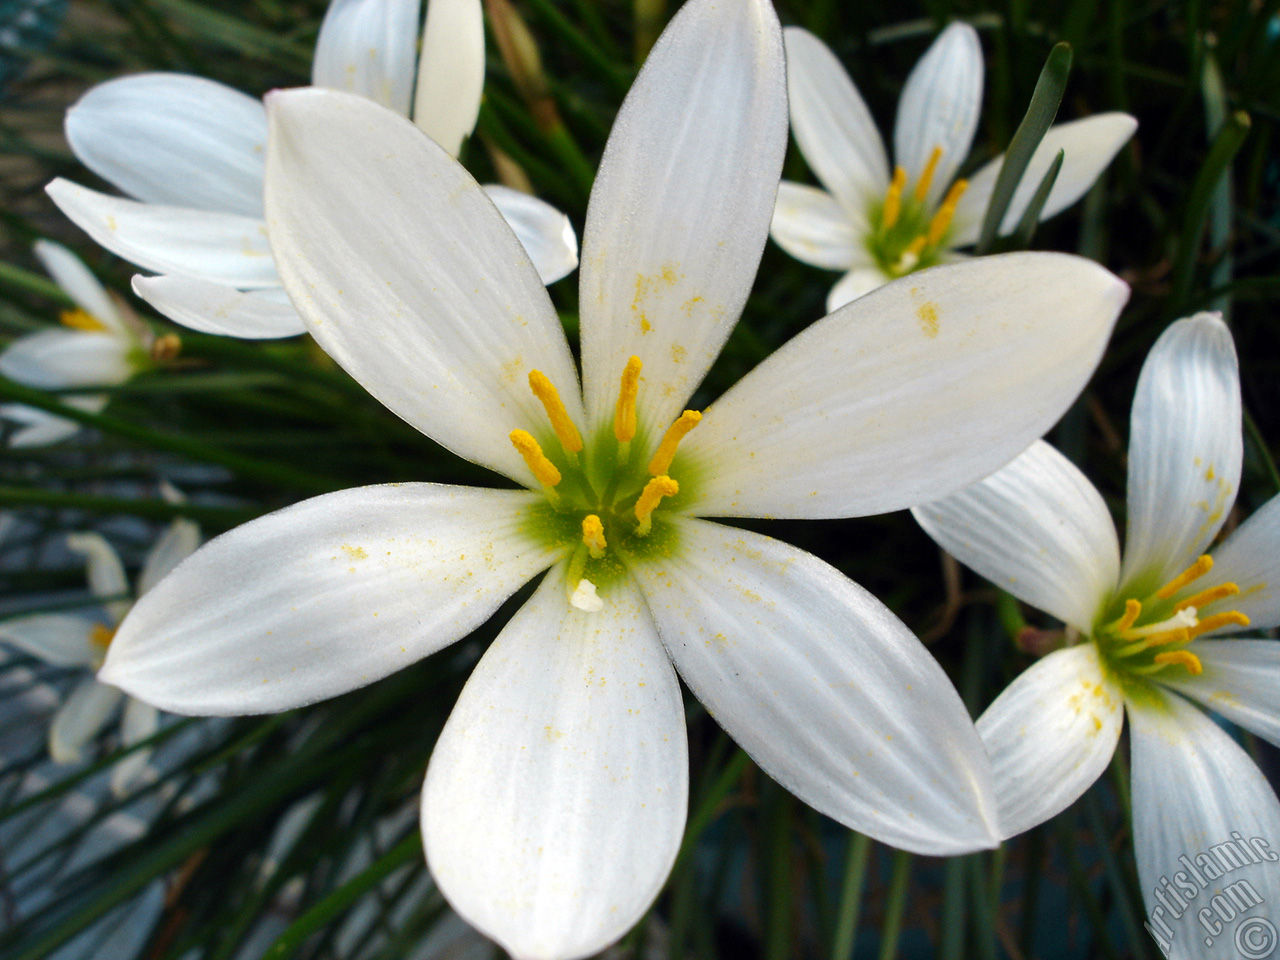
{"x": 624, "y": 417}
{"x": 1182, "y": 658}
{"x": 1209, "y": 473}
{"x": 101, "y": 636}
{"x": 593, "y": 535}
{"x": 355, "y": 553}
{"x": 1192, "y": 573}
{"x": 927, "y": 314}
{"x": 654, "y": 491}
{"x": 661, "y": 461}
{"x": 926, "y": 176}
{"x": 543, "y": 470}
{"x": 82, "y": 320}
{"x": 566, "y": 432}
{"x": 893, "y": 199}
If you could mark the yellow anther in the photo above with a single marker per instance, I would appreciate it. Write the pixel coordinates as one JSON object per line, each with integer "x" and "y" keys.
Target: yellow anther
{"x": 1132, "y": 610}
{"x": 624, "y": 417}
{"x": 1180, "y": 635}
{"x": 1182, "y": 658}
{"x": 1206, "y": 597}
{"x": 915, "y": 248}
{"x": 593, "y": 535}
{"x": 1192, "y": 573}
{"x": 941, "y": 221}
{"x": 101, "y": 636}
{"x": 543, "y": 470}
{"x": 652, "y": 495}
{"x": 661, "y": 461}
{"x": 1219, "y": 620}
{"x": 926, "y": 176}
{"x": 79, "y": 319}
{"x": 893, "y": 199}
{"x": 568, "y": 435}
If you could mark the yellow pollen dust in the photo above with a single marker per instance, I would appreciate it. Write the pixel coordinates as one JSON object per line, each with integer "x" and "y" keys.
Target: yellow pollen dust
{"x": 893, "y": 199}
{"x": 101, "y": 636}
{"x": 1206, "y": 597}
{"x": 661, "y": 461}
{"x": 654, "y": 491}
{"x": 1231, "y": 617}
{"x": 78, "y": 319}
{"x": 593, "y": 536}
{"x": 1181, "y": 658}
{"x": 926, "y": 176}
{"x": 568, "y": 435}
{"x": 543, "y": 470}
{"x": 624, "y": 417}
{"x": 941, "y": 221}
{"x": 1189, "y": 575}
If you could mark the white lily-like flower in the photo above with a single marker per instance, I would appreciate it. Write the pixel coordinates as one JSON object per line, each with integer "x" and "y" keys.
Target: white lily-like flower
{"x": 555, "y": 798}
{"x": 101, "y": 344}
{"x": 71, "y": 640}
{"x": 1040, "y": 530}
{"x": 875, "y": 226}
{"x": 191, "y": 151}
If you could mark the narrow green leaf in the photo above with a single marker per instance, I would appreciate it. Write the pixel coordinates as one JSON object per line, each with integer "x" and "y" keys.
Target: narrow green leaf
{"x": 1026, "y": 228}
{"x": 855, "y": 873}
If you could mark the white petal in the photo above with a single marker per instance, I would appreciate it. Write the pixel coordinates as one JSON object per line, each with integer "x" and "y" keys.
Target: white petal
{"x": 325, "y": 596}
{"x": 810, "y": 225}
{"x": 907, "y": 394}
{"x": 1241, "y": 681}
{"x": 939, "y": 108}
{"x": 222, "y": 310}
{"x": 368, "y": 47}
{"x": 1185, "y": 450}
{"x": 63, "y": 357}
{"x": 1051, "y": 734}
{"x": 1038, "y": 529}
{"x": 545, "y": 233}
{"x": 446, "y": 102}
{"x": 1088, "y": 145}
{"x": 178, "y": 542}
{"x": 107, "y": 580}
{"x": 555, "y": 798}
{"x": 57, "y": 638}
{"x": 405, "y": 273}
{"x": 139, "y": 721}
{"x": 832, "y": 125}
{"x": 826, "y": 689}
{"x": 681, "y": 206}
{"x": 39, "y": 428}
{"x": 1198, "y": 796}
{"x": 173, "y": 139}
{"x": 79, "y": 283}
{"x": 223, "y": 247}
{"x": 856, "y": 283}
{"x": 80, "y": 719}
{"x": 1250, "y": 558}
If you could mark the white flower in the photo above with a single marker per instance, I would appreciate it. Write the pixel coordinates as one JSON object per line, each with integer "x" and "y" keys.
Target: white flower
{"x": 101, "y": 344}
{"x": 876, "y": 227}
{"x": 70, "y": 640}
{"x": 556, "y": 795}
{"x": 191, "y": 152}
{"x": 1040, "y": 530}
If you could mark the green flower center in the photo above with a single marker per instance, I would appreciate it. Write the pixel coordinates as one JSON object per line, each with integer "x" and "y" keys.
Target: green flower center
{"x": 906, "y": 235}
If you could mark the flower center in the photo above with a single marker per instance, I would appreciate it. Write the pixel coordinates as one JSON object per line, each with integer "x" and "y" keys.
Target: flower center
{"x": 604, "y": 488}
{"x": 1150, "y": 635}
{"x": 907, "y": 235}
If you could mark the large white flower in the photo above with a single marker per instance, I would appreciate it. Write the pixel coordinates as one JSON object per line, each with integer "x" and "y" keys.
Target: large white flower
{"x": 1040, "y": 530}
{"x": 555, "y": 798}
{"x": 874, "y": 226}
{"x": 71, "y": 640}
{"x": 101, "y": 344}
{"x": 191, "y": 151}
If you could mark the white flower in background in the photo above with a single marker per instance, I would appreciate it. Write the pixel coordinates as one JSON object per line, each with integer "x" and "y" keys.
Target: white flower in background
{"x": 555, "y": 799}
{"x": 1040, "y": 530}
{"x": 100, "y": 344}
{"x": 71, "y": 640}
{"x": 876, "y": 226}
{"x": 190, "y": 152}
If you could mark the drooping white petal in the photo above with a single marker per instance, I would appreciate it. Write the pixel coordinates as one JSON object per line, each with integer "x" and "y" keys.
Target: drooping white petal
{"x": 107, "y": 580}
{"x": 1185, "y": 449}
{"x": 939, "y": 107}
{"x": 833, "y": 126}
{"x": 39, "y": 428}
{"x": 1206, "y": 823}
{"x": 826, "y": 689}
{"x": 264, "y": 314}
{"x": 223, "y": 247}
{"x": 907, "y": 394}
{"x": 79, "y": 283}
{"x": 555, "y": 798}
{"x": 138, "y": 722}
{"x": 324, "y": 596}
{"x": 545, "y": 233}
{"x": 1051, "y": 734}
{"x": 446, "y": 101}
{"x": 810, "y": 225}
{"x": 58, "y": 638}
{"x": 406, "y": 274}
{"x": 1038, "y": 529}
{"x": 681, "y": 206}
{"x": 368, "y": 47}
{"x": 61, "y": 357}
{"x": 856, "y": 283}
{"x": 1088, "y": 146}
{"x": 178, "y": 542}
{"x": 1250, "y": 558}
{"x": 1241, "y": 681}
{"x": 81, "y": 719}
{"x": 173, "y": 139}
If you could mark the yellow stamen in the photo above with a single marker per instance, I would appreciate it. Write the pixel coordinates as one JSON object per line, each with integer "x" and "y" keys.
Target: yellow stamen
{"x": 1132, "y": 611}
{"x": 79, "y": 319}
{"x": 1206, "y": 597}
{"x": 661, "y": 461}
{"x": 893, "y": 199}
{"x": 593, "y": 535}
{"x": 941, "y": 221}
{"x": 1192, "y": 573}
{"x": 543, "y": 470}
{"x": 101, "y": 636}
{"x": 654, "y": 491}
{"x": 1219, "y": 620}
{"x": 1182, "y": 658}
{"x": 624, "y": 417}
{"x": 926, "y": 177}
{"x": 915, "y": 248}
{"x": 1181, "y": 635}
{"x": 568, "y": 435}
